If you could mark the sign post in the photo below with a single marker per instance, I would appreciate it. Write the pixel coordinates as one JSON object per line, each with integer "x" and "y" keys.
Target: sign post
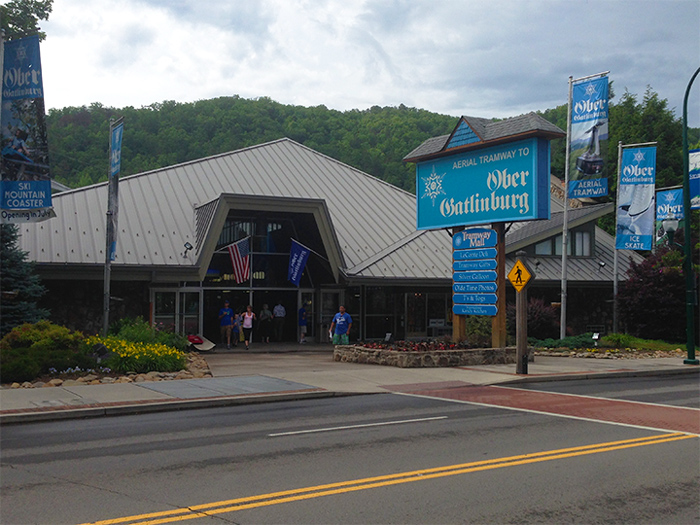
{"x": 520, "y": 276}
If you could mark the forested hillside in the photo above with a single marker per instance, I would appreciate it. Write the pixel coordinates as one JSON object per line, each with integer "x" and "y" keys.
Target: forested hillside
{"x": 373, "y": 140}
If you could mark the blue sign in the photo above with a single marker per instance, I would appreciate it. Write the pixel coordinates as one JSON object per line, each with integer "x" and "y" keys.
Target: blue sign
{"x": 474, "y": 287}
{"x": 474, "y": 238}
{"x": 694, "y": 175}
{"x": 589, "y": 127}
{"x": 468, "y": 255}
{"x": 22, "y": 77}
{"x": 474, "y": 298}
{"x": 503, "y": 183}
{"x": 669, "y": 204}
{"x": 116, "y": 149}
{"x": 25, "y": 195}
{"x": 474, "y": 309}
{"x": 488, "y": 275}
{"x": 635, "y": 199}
{"x": 481, "y": 264}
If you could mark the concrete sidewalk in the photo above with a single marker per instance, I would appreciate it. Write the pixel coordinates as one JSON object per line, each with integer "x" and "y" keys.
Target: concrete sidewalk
{"x": 288, "y": 372}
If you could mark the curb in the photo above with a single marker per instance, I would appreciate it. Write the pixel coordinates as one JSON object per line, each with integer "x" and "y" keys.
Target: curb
{"x": 163, "y": 406}
{"x": 692, "y": 369}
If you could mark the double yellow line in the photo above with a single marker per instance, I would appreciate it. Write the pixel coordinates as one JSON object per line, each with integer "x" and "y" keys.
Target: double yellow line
{"x": 288, "y": 496}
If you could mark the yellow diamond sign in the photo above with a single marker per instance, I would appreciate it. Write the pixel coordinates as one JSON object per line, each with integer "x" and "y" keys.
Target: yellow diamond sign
{"x": 519, "y": 276}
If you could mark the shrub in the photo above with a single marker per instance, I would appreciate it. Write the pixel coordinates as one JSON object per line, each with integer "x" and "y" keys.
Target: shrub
{"x": 31, "y": 350}
{"x": 576, "y": 341}
{"x": 542, "y": 319}
{"x": 618, "y": 341}
{"x": 140, "y": 357}
{"x": 479, "y": 331}
{"x": 139, "y": 331}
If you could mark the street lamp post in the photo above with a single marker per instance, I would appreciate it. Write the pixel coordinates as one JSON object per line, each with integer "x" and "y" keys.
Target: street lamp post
{"x": 688, "y": 260}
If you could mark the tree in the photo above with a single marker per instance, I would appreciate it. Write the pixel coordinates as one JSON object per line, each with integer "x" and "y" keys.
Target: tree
{"x": 651, "y": 300}
{"x": 20, "y": 18}
{"x": 21, "y": 287}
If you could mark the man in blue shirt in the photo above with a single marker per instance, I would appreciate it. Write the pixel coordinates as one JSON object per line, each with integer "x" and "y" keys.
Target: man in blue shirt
{"x": 340, "y": 327}
{"x": 226, "y": 323}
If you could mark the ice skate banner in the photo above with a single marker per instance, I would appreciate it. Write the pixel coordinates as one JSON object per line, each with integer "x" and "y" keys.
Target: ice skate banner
{"x": 24, "y": 166}
{"x": 635, "y": 199}
{"x": 694, "y": 174}
{"x": 589, "y": 134}
{"x": 669, "y": 205}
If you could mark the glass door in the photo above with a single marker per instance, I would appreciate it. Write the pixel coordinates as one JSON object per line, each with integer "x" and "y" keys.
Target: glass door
{"x": 189, "y": 313}
{"x": 164, "y": 310}
{"x": 330, "y": 302}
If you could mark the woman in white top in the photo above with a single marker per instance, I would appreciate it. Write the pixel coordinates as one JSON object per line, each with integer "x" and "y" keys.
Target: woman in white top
{"x": 248, "y": 317}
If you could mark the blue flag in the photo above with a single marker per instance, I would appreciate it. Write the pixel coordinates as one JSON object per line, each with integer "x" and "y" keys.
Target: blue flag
{"x": 298, "y": 255}
{"x": 589, "y": 131}
{"x": 635, "y": 199}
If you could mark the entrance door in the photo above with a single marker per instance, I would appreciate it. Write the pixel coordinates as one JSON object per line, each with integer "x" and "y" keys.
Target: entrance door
{"x": 189, "y": 313}
{"x": 330, "y": 302}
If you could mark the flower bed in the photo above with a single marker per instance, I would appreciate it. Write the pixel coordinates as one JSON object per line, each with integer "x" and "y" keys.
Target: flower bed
{"x": 423, "y": 357}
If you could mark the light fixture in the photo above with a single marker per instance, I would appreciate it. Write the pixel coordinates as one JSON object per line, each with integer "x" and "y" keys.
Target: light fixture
{"x": 188, "y": 247}
{"x": 670, "y": 227}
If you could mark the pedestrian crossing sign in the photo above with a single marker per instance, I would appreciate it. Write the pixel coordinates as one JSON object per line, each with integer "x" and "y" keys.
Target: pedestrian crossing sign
{"x": 519, "y": 276}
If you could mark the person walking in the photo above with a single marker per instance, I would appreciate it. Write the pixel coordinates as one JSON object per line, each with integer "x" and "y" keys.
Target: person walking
{"x": 226, "y": 324}
{"x": 340, "y": 327}
{"x": 248, "y": 317}
{"x": 302, "y": 324}
{"x": 265, "y": 319}
{"x": 278, "y": 314}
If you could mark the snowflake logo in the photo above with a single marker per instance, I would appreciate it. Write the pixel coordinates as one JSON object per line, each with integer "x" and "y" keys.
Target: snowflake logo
{"x": 21, "y": 53}
{"x": 638, "y": 157}
{"x": 670, "y": 198}
{"x": 590, "y": 90}
{"x": 433, "y": 185}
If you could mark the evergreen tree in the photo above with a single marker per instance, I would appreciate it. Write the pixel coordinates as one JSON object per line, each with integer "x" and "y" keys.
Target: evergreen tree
{"x": 20, "y": 286}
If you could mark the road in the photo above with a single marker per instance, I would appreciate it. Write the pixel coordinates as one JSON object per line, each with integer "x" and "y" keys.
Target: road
{"x": 387, "y": 458}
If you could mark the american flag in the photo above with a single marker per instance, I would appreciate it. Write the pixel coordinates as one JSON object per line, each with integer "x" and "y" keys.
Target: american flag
{"x": 240, "y": 258}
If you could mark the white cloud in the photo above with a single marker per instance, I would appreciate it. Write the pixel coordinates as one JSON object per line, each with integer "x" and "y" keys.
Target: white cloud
{"x": 482, "y": 57}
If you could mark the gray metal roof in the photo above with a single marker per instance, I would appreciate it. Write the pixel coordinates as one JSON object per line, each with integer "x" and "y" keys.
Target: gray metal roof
{"x": 488, "y": 132}
{"x": 372, "y": 222}
{"x": 158, "y": 209}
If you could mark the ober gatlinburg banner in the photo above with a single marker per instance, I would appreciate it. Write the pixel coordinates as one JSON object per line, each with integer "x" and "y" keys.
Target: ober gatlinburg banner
{"x": 635, "y": 199}
{"x": 24, "y": 170}
{"x": 669, "y": 205}
{"x": 694, "y": 175}
{"x": 589, "y": 130}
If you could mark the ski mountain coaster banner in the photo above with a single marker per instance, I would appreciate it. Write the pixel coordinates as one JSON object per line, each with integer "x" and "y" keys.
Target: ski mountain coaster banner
{"x": 504, "y": 183}
{"x": 589, "y": 128}
{"x": 25, "y": 187}
{"x": 635, "y": 199}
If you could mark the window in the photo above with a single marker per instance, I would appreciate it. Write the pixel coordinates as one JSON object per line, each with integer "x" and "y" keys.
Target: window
{"x": 583, "y": 243}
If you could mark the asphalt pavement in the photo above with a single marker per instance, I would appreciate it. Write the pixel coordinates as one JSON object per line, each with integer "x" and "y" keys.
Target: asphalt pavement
{"x": 289, "y": 372}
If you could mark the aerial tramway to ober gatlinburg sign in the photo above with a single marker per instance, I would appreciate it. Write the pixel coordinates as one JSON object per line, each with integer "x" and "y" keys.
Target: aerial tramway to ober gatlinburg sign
{"x": 481, "y": 176}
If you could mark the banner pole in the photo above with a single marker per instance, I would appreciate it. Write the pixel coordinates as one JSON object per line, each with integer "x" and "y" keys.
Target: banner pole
{"x": 615, "y": 259}
{"x": 565, "y": 226}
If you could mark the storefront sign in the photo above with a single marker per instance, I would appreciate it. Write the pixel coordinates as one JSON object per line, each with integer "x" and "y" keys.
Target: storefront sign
{"x": 503, "y": 183}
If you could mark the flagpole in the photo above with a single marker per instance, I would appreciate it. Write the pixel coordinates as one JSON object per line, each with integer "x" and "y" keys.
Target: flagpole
{"x": 565, "y": 226}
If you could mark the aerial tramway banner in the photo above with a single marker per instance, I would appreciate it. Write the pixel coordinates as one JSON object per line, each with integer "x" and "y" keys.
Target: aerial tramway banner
{"x": 25, "y": 186}
{"x": 635, "y": 199}
{"x": 589, "y": 133}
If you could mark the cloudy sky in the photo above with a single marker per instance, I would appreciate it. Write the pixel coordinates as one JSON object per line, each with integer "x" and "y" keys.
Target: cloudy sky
{"x": 485, "y": 58}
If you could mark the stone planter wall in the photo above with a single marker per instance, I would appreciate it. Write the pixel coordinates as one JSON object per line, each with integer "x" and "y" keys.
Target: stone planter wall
{"x": 436, "y": 358}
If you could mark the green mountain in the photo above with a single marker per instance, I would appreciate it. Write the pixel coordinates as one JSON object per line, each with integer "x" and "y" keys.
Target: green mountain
{"x": 373, "y": 140}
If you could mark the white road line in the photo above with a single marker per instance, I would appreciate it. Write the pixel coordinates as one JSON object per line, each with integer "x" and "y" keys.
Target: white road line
{"x": 617, "y": 400}
{"x": 554, "y": 414}
{"x": 330, "y": 429}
